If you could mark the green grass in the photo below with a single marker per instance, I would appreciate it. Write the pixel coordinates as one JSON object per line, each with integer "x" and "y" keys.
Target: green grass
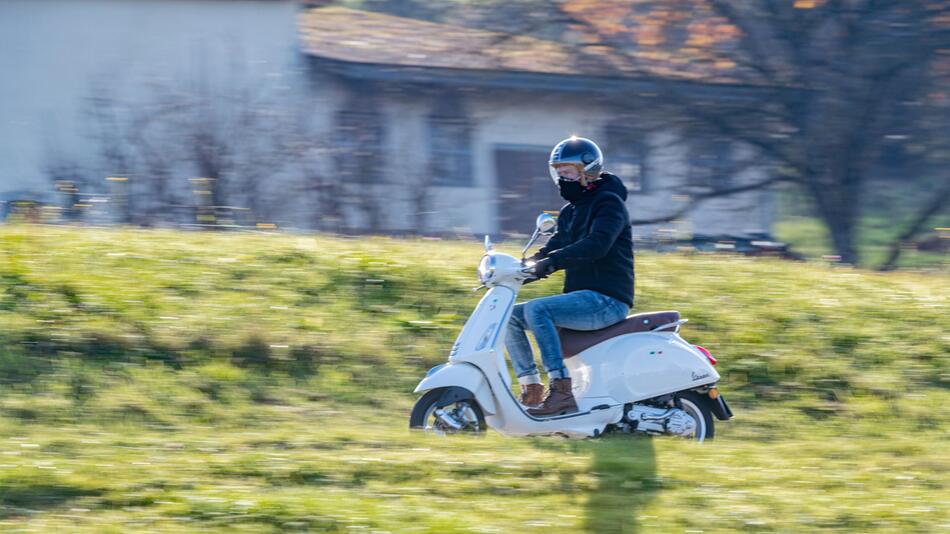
{"x": 175, "y": 381}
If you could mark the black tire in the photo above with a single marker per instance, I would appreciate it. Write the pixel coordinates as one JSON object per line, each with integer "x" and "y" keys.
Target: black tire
{"x": 697, "y": 406}
{"x": 426, "y": 405}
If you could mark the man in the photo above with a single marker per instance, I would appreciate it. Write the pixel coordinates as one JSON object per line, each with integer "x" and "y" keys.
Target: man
{"x": 593, "y": 244}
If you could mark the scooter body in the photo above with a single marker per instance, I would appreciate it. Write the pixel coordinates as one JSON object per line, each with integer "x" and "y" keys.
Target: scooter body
{"x": 609, "y": 378}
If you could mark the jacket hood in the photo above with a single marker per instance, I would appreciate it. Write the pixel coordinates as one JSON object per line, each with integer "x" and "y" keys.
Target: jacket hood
{"x": 609, "y": 182}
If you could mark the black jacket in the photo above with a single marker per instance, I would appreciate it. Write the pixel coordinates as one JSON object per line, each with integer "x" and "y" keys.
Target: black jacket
{"x": 593, "y": 242}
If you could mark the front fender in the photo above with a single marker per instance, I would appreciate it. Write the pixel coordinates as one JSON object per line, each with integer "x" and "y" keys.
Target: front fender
{"x": 463, "y": 375}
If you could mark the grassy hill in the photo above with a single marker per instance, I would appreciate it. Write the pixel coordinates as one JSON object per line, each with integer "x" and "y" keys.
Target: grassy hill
{"x": 175, "y": 381}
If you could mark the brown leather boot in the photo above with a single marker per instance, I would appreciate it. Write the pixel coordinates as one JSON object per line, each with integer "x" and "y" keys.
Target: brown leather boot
{"x": 560, "y": 400}
{"x": 532, "y": 395}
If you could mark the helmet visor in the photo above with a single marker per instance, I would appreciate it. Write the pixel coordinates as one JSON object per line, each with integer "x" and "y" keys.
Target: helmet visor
{"x": 571, "y": 172}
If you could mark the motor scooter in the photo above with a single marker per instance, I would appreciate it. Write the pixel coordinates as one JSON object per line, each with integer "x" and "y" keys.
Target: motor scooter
{"x": 636, "y": 376}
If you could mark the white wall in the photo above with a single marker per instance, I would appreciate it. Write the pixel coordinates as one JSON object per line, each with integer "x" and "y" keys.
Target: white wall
{"x": 739, "y": 214}
{"x": 51, "y": 52}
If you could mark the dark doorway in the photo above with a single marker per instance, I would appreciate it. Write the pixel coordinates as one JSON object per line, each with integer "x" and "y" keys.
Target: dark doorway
{"x": 524, "y": 187}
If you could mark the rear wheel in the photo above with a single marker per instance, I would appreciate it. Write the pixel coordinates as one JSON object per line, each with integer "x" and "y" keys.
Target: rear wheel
{"x": 693, "y": 404}
{"x": 457, "y": 417}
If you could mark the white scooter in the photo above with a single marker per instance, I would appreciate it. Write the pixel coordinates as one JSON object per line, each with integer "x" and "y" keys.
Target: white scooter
{"x": 636, "y": 376}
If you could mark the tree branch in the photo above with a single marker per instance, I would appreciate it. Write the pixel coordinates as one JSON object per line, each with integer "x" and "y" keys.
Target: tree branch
{"x": 751, "y": 37}
{"x": 937, "y": 203}
{"x": 697, "y": 199}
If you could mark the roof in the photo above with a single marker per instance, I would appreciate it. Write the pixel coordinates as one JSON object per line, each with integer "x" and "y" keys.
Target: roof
{"x": 371, "y": 38}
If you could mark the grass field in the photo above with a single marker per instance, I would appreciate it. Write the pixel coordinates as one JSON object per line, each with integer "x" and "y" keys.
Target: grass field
{"x": 163, "y": 381}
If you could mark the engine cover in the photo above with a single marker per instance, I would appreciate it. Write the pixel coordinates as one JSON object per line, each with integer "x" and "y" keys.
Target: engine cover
{"x": 655, "y": 420}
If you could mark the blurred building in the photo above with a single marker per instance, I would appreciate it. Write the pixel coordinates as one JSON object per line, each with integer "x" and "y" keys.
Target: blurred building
{"x": 419, "y": 127}
{"x": 451, "y": 127}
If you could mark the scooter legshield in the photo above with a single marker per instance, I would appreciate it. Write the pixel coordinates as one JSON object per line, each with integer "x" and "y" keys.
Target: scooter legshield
{"x": 463, "y": 375}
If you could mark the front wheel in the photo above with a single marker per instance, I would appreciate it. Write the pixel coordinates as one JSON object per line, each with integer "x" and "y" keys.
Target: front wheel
{"x": 697, "y": 408}
{"x": 462, "y": 416}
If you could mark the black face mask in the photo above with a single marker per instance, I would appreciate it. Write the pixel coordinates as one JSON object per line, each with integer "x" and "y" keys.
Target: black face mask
{"x": 570, "y": 191}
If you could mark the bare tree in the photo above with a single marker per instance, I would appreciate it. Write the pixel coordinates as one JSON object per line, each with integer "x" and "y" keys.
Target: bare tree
{"x": 214, "y": 142}
{"x": 829, "y": 76}
{"x": 132, "y": 149}
{"x": 235, "y": 135}
{"x": 70, "y": 180}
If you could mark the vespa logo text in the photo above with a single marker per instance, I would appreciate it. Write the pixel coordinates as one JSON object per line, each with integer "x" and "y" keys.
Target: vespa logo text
{"x": 699, "y": 376}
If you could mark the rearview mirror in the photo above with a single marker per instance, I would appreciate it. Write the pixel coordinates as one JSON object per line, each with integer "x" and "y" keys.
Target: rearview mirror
{"x": 545, "y": 223}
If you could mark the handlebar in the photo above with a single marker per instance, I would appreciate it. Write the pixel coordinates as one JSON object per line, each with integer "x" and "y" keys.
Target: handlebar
{"x": 529, "y": 272}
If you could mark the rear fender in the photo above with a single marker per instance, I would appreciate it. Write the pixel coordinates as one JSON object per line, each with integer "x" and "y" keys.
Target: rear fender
{"x": 463, "y": 376}
{"x": 720, "y": 409}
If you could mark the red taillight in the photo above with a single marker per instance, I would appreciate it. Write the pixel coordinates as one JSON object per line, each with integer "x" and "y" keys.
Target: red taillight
{"x": 707, "y": 354}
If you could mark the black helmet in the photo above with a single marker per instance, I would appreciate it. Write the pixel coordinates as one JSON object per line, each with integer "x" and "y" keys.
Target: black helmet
{"x": 583, "y": 153}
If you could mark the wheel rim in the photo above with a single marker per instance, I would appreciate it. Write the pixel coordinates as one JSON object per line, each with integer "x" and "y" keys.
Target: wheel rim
{"x": 461, "y": 411}
{"x": 699, "y": 433}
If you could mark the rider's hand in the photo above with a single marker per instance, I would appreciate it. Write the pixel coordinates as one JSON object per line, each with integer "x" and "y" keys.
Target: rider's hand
{"x": 536, "y": 258}
{"x": 543, "y": 268}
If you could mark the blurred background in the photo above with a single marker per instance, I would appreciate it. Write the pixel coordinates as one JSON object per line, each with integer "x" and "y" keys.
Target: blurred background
{"x": 236, "y": 233}
{"x": 751, "y": 125}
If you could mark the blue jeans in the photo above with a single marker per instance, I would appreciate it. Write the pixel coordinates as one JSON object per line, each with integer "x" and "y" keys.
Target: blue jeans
{"x": 577, "y": 310}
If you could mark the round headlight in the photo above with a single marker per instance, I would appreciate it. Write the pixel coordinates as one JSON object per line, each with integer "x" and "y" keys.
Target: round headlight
{"x": 486, "y": 268}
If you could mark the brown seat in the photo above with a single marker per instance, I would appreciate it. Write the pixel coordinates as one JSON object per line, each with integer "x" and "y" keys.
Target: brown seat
{"x": 574, "y": 342}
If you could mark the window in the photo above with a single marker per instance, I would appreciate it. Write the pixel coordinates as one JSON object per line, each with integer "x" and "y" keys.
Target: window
{"x": 626, "y": 156}
{"x": 360, "y": 145}
{"x": 451, "y": 151}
